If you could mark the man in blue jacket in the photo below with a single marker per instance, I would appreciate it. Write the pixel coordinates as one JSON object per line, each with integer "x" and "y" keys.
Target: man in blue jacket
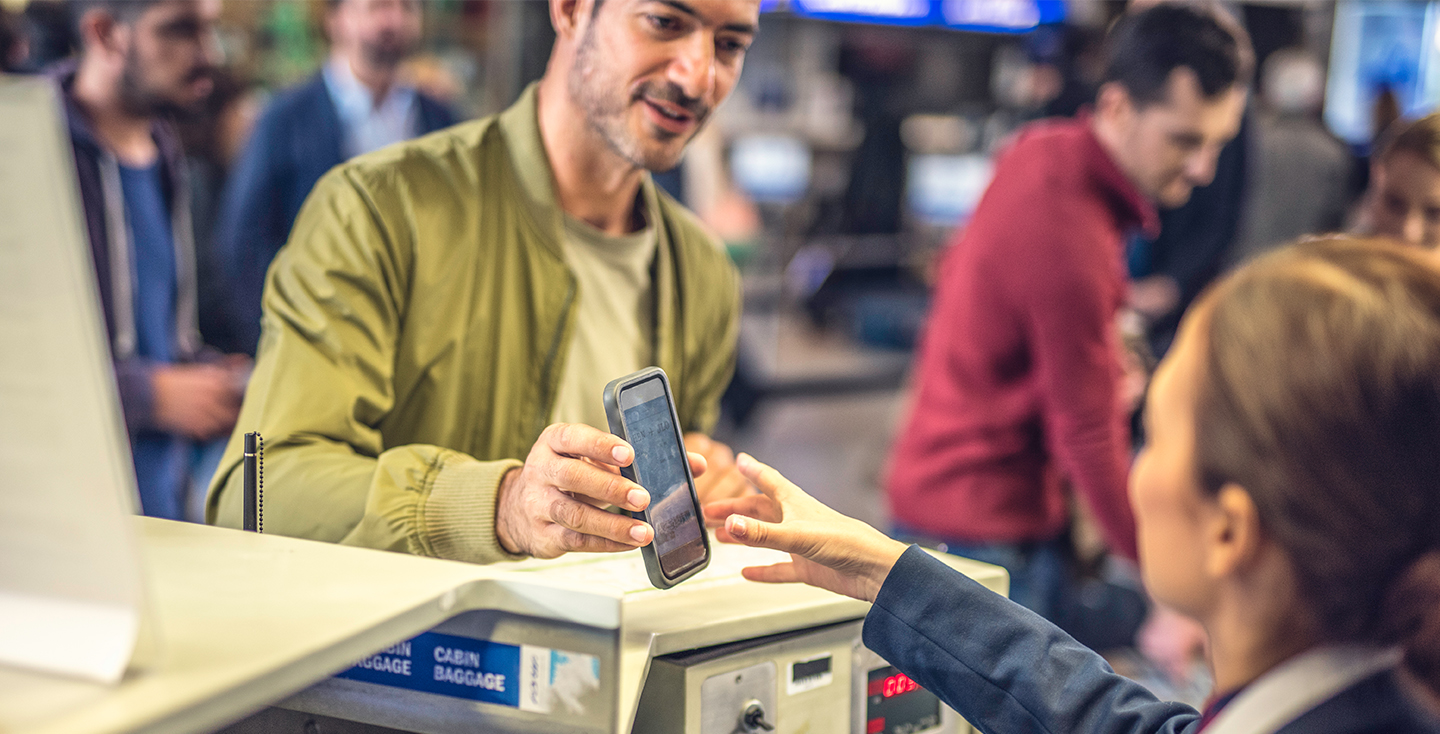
{"x": 355, "y": 104}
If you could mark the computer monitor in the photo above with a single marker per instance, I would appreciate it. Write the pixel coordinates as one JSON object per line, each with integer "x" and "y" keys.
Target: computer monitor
{"x": 1378, "y": 46}
{"x": 943, "y": 190}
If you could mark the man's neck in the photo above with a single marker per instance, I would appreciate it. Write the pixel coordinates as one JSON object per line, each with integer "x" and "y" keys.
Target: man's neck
{"x": 592, "y": 182}
{"x": 123, "y": 133}
{"x": 377, "y": 80}
{"x": 1114, "y": 147}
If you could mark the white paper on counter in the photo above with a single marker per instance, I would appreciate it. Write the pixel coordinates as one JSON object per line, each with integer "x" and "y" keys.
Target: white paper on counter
{"x": 71, "y": 594}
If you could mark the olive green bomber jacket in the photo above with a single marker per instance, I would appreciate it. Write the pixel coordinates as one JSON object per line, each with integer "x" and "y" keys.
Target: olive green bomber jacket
{"x": 414, "y": 334}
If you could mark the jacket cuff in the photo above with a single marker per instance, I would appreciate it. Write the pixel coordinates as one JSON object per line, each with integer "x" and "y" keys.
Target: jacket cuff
{"x": 457, "y": 519}
{"x": 134, "y": 379}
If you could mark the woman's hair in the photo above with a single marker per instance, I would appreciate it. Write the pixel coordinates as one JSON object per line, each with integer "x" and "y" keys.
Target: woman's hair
{"x": 1420, "y": 137}
{"x": 1321, "y": 398}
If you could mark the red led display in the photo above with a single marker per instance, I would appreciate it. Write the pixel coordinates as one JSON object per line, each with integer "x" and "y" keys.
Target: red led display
{"x": 898, "y": 684}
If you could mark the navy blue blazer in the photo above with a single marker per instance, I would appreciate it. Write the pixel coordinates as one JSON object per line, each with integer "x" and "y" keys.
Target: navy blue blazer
{"x": 1005, "y": 669}
{"x": 295, "y": 141}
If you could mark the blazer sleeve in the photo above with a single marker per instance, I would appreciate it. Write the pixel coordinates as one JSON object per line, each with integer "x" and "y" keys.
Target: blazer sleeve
{"x": 1001, "y": 666}
{"x": 322, "y": 385}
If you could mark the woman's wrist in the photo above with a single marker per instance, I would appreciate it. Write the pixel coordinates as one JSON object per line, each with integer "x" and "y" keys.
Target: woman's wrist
{"x": 886, "y": 556}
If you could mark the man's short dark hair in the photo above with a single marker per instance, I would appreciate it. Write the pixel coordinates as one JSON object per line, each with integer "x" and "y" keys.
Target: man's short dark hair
{"x": 125, "y": 11}
{"x": 1144, "y": 47}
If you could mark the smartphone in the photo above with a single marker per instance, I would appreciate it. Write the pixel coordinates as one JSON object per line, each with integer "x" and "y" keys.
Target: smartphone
{"x": 641, "y": 410}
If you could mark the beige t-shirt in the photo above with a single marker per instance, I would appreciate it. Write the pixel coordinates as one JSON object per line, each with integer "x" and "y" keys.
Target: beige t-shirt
{"x": 614, "y": 332}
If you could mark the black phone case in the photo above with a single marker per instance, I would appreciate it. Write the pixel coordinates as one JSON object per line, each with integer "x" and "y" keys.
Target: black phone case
{"x": 612, "y": 413}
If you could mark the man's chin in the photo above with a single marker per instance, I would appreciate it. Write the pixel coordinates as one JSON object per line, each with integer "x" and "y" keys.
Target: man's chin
{"x": 1175, "y": 199}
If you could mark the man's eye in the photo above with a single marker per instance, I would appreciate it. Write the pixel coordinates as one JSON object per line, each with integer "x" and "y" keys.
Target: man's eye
{"x": 663, "y": 23}
{"x": 732, "y": 46}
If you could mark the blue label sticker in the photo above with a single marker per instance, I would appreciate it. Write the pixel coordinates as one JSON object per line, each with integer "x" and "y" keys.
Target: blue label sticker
{"x": 460, "y": 667}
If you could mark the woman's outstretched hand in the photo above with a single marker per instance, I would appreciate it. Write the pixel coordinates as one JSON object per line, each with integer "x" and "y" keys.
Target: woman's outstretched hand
{"x": 827, "y": 549}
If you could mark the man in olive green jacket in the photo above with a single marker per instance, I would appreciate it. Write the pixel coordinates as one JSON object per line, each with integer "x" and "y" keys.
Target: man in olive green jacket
{"x": 418, "y": 328}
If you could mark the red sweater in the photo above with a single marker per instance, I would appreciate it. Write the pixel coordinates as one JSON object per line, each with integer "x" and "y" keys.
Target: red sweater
{"x": 1018, "y": 370}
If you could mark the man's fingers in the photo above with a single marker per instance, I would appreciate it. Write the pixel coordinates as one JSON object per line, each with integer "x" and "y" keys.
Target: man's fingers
{"x": 570, "y": 514}
{"x": 578, "y": 439}
{"x": 585, "y": 479}
{"x": 698, "y": 464}
{"x": 559, "y": 541}
{"x": 729, "y": 483}
{"x": 754, "y": 505}
{"x": 775, "y": 573}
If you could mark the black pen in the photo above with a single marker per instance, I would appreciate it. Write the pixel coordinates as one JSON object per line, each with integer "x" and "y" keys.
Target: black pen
{"x": 250, "y": 510}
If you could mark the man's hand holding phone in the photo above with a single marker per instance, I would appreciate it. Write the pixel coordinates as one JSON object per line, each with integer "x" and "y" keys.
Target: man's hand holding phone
{"x": 552, "y": 504}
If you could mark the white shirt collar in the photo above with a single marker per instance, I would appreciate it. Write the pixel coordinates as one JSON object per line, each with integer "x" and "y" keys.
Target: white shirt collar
{"x": 1299, "y": 685}
{"x": 368, "y": 126}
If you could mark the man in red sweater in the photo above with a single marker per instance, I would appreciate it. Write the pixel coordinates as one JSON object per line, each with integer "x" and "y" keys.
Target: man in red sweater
{"x": 1018, "y": 371}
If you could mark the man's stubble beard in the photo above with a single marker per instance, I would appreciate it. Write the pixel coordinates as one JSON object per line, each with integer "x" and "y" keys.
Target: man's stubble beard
{"x": 141, "y": 101}
{"x": 606, "y": 116}
{"x": 386, "y": 53}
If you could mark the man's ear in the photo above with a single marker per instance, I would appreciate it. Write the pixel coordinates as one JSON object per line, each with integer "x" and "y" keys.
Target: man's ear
{"x": 1233, "y": 536}
{"x": 569, "y": 16}
{"x": 99, "y": 30}
{"x": 1114, "y": 105}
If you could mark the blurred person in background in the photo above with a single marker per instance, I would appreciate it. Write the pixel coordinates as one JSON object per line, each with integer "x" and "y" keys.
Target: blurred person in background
{"x": 213, "y": 136}
{"x": 142, "y": 61}
{"x": 1018, "y": 376}
{"x": 359, "y": 102}
{"x": 14, "y": 46}
{"x": 1299, "y": 172}
{"x": 1403, "y": 202}
{"x": 1169, "y": 270}
{"x": 439, "y": 330}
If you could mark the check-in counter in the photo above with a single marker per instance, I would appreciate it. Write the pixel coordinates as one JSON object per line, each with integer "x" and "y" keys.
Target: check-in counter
{"x": 602, "y": 652}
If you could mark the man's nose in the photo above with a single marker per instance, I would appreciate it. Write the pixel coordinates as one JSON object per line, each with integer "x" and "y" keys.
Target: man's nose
{"x": 212, "y": 52}
{"x": 693, "y": 67}
{"x": 1200, "y": 166}
{"x": 1413, "y": 230}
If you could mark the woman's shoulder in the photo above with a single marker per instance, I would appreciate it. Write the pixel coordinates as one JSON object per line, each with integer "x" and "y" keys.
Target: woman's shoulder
{"x": 1380, "y": 703}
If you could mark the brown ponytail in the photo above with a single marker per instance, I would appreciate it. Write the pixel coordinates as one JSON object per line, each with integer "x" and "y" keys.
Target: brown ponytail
{"x": 1321, "y": 396}
{"x": 1411, "y": 617}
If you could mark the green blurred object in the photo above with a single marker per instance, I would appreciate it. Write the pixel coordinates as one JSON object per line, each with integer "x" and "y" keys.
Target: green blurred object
{"x": 295, "y": 51}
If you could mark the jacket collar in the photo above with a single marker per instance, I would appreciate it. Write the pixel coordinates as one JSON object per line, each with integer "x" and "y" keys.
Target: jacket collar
{"x": 1134, "y": 207}
{"x": 1299, "y": 685}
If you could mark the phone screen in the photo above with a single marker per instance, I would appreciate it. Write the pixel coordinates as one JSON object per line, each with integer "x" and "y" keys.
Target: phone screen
{"x": 660, "y": 468}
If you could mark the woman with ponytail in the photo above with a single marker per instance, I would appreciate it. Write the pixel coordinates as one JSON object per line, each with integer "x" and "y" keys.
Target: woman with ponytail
{"x": 1288, "y": 499}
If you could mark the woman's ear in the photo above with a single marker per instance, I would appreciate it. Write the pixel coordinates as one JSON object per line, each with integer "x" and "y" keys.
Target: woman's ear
{"x": 1233, "y": 536}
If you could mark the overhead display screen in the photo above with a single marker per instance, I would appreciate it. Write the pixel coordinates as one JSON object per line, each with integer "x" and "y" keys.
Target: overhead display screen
{"x": 993, "y": 16}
